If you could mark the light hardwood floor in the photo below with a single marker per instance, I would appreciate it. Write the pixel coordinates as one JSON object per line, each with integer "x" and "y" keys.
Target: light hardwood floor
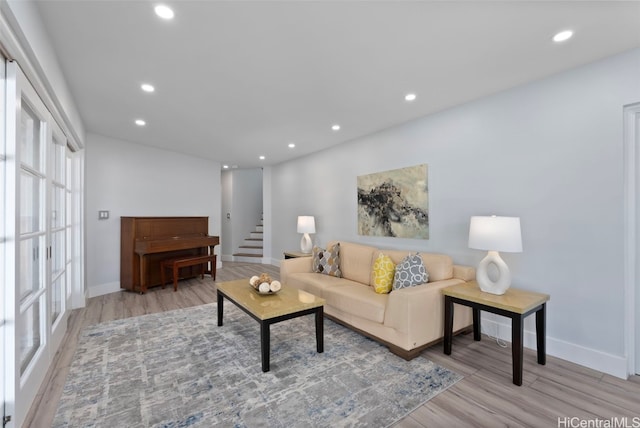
{"x": 550, "y": 395}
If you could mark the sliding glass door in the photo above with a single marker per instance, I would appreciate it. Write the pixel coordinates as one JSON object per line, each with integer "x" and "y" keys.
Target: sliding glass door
{"x": 33, "y": 249}
{"x": 3, "y": 238}
{"x": 36, "y": 230}
{"x": 60, "y": 231}
{"x": 28, "y": 119}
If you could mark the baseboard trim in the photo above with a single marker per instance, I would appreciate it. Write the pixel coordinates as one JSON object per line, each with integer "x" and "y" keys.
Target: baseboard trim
{"x": 102, "y": 289}
{"x": 243, "y": 259}
{"x": 592, "y": 358}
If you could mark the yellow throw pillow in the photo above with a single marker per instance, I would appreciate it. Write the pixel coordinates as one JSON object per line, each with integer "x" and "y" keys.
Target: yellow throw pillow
{"x": 383, "y": 271}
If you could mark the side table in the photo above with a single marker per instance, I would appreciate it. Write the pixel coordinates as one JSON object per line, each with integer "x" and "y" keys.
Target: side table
{"x": 515, "y": 304}
{"x": 295, "y": 254}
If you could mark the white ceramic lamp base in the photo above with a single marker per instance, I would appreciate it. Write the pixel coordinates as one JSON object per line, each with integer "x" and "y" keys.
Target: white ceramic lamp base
{"x": 486, "y": 284}
{"x": 305, "y": 244}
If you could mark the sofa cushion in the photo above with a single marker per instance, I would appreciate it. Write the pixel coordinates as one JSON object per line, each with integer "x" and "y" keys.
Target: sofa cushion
{"x": 358, "y": 300}
{"x": 327, "y": 261}
{"x": 383, "y": 272}
{"x": 439, "y": 266}
{"x": 356, "y": 261}
{"x": 315, "y": 283}
{"x": 410, "y": 272}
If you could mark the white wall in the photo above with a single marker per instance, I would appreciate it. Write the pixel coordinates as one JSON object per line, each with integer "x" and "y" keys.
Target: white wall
{"x": 267, "y": 215}
{"x": 242, "y": 196}
{"x": 226, "y": 243}
{"x": 129, "y": 179}
{"x": 34, "y": 46}
{"x": 550, "y": 152}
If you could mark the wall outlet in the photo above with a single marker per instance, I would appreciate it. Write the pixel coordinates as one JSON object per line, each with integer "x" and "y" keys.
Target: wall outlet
{"x": 103, "y": 215}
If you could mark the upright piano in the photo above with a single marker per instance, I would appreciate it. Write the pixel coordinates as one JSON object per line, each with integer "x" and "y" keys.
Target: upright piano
{"x": 146, "y": 241}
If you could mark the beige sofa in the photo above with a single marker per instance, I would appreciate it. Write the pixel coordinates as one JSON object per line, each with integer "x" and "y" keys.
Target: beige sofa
{"x": 407, "y": 320}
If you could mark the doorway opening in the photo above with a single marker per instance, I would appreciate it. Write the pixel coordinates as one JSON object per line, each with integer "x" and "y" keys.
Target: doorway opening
{"x": 632, "y": 235}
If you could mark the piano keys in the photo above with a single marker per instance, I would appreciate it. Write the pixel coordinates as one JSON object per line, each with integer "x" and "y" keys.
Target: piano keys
{"x": 146, "y": 241}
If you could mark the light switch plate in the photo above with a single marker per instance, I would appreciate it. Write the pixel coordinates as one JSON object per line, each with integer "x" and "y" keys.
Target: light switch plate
{"x": 103, "y": 215}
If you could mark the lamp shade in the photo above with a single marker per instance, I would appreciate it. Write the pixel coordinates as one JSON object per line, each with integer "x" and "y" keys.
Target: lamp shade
{"x": 306, "y": 224}
{"x": 493, "y": 233}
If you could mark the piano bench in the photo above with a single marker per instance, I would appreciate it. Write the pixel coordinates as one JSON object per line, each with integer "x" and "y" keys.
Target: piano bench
{"x": 176, "y": 264}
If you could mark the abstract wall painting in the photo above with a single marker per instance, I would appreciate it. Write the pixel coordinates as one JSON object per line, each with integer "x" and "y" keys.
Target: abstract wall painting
{"x": 394, "y": 203}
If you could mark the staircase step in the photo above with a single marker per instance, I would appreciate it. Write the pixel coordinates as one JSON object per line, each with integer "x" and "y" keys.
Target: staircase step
{"x": 251, "y": 249}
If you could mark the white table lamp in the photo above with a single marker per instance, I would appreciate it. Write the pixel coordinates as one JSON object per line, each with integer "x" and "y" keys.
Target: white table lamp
{"x": 495, "y": 234}
{"x": 306, "y": 225}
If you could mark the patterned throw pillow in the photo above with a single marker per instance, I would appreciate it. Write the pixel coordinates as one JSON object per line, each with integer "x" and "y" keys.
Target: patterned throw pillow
{"x": 383, "y": 270}
{"x": 410, "y": 272}
{"x": 327, "y": 261}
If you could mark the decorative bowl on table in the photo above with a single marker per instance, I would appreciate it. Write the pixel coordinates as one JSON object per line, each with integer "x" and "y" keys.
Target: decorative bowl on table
{"x": 263, "y": 284}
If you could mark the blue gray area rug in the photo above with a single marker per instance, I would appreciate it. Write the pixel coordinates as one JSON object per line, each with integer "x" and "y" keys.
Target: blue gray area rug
{"x": 179, "y": 369}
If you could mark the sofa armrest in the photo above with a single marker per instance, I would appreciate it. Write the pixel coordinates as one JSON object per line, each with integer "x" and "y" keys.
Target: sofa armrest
{"x": 418, "y": 312}
{"x": 295, "y": 265}
{"x": 465, "y": 273}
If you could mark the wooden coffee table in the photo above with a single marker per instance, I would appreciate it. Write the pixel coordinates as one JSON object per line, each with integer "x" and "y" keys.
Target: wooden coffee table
{"x": 272, "y": 308}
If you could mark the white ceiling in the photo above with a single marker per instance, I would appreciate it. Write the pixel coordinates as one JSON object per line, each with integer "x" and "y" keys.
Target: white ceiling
{"x": 239, "y": 79}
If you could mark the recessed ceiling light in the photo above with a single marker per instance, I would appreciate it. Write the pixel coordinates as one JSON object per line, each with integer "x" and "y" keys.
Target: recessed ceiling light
{"x": 562, "y": 36}
{"x": 225, "y": 166}
{"x": 335, "y": 127}
{"x": 147, "y": 87}
{"x": 140, "y": 122}
{"x": 261, "y": 157}
{"x": 410, "y": 97}
{"x": 163, "y": 11}
{"x": 291, "y": 145}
